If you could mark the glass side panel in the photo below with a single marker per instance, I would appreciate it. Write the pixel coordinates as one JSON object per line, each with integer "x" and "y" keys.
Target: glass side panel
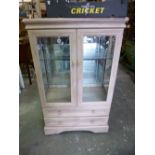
{"x": 97, "y": 62}
{"x": 54, "y": 55}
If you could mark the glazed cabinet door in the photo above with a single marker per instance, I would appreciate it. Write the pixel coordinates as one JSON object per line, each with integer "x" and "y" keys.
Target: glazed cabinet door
{"x": 54, "y": 58}
{"x": 98, "y": 57}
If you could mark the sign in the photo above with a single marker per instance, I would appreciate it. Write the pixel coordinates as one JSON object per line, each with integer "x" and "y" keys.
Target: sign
{"x": 108, "y": 8}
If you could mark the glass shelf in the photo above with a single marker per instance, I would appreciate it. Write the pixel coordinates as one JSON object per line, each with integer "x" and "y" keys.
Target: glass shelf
{"x": 97, "y": 61}
{"x": 54, "y": 55}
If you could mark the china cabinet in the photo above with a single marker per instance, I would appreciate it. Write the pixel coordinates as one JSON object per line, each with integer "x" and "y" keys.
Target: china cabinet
{"x": 76, "y": 63}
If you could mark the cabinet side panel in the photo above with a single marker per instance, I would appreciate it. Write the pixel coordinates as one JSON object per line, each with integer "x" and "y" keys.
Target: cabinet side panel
{"x": 33, "y": 45}
{"x": 113, "y": 76}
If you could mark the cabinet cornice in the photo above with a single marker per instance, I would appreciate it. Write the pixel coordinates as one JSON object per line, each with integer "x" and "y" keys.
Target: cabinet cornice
{"x": 58, "y": 23}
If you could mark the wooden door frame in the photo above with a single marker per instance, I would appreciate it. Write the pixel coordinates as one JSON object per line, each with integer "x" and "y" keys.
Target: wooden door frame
{"x": 118, "y": 33}
{"x": 71, "y": 33}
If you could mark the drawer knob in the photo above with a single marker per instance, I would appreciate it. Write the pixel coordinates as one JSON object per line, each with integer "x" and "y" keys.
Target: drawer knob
{"x": 93, "y": 111}
{"x": 59, "y": 112}
{"x": 92, "y": 121}
{"x": 60, "y": 122}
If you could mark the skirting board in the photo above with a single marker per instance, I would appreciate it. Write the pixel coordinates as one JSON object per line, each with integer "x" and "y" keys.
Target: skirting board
{"x": 57, "y": 130}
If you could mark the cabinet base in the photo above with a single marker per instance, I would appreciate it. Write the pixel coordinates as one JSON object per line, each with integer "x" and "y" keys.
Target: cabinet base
{"x": 58, "y": 130}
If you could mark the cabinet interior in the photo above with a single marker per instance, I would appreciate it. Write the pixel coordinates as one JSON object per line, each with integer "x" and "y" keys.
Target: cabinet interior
{"x": 55, "y": 61}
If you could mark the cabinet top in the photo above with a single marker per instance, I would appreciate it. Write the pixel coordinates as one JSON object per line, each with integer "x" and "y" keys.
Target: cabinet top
{"x": 57, "y": 23}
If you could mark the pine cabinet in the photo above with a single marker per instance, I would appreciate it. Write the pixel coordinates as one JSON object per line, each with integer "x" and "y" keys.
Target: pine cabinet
{"x": 76, "y": 63}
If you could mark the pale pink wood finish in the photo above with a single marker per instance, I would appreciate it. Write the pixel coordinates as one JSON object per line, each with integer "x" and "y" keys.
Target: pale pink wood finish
{"x": 77, "y": 115}
{"x": 56, "y": 130}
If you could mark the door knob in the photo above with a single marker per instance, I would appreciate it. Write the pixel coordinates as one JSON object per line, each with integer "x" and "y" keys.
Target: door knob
{"x": 73, "y": 64}
{"x": 78, "y": 63}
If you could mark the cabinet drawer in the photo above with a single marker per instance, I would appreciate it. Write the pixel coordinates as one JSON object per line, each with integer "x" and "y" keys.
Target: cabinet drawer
{"x": 76, "y": 121}
{"x": 76, "y": 112}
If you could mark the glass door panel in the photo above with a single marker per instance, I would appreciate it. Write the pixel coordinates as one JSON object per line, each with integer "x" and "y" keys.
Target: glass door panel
{"x": 54, "y": 56}
{"x": 97, "y": 62}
